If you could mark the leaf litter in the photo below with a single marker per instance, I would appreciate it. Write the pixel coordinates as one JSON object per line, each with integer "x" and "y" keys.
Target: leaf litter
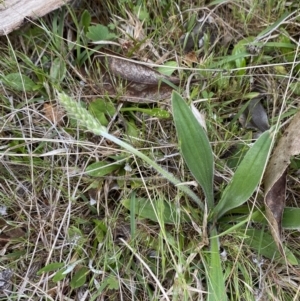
{"x": 275, "y": 177}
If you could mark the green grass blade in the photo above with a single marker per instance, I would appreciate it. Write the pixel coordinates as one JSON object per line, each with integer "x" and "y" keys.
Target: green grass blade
{"x": 194, "y": 146}
{"x": 246, "y": 177}
{"x": 215, "y": 276}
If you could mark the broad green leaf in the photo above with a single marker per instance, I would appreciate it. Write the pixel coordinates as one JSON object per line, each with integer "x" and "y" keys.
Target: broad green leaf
{"x": 141, "y": 12}
{"x": 100, "y": 33}
{"x": 79, "y": 278}
{"x": 290, "y": 218}
{"x": 100, "y": 169}
{"x": 194, "y": 146}
{"x": 247, "y": 176}
{"x": 19, "y": 82}
{"x": 113, "y": 283}
{"x": 58, "y": 69}
{"x": 146, "y": 209}
{"x": 264, "y": 244}
{"x": 51, "y": 267}
{"x": 60, "y": 275}
{"x": 133, "y": 132}
{"x": 168, "y": 68}
{"x": 99, "y": 108}
{"x": 215, "y": 281}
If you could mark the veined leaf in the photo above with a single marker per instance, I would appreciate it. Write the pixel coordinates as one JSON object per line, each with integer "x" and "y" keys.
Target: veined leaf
{"x": 100, "y": 169}
{"x": 290, "y": 219}
{"x": 100, "y": 32}
{"x": 19, "y": 82}
{"x": 194, "y": 146}
{"x": 150, "y": 210}
{"x": 168, "y": 68}
{"x": 51, "y": 267}
{"x": 215, "y": 281}
{"x": 246, "y": 177}
{"x": 79, "y": 278}
{"x": 265, "y": 245}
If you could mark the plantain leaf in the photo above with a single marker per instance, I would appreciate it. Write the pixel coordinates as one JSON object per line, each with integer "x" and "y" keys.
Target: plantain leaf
{"x": 290, "y": 219}
{"x": 246, "y": 177}
{"x": 143, "y": 208}
{"x": 100, "y": 169}
{"x": 50, "y": 267}
{"x": 215, "y": 282}
{"x": 79, "y": 278}
{"x": 19, "y": 82}
{"x": 264, "y": 244}
{"x": 194, "y": 146}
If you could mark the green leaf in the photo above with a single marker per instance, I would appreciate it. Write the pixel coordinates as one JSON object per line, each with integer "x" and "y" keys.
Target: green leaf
{"x": 58, "y": 69}
{"x": 215, "y": 281}
{"x": 263, "y": 243}
{"x": 99, "y": 108}
{"x": 141, "y": 12}
{"x": 100, "y": 230}
{"x": 156, "y": 112}
{"x": 100, "y": 33}
{"x": 19, "y": 82}
{"x": 146, "y": 209}
{"x": 227, "y": 60}
{"x": 247, "y": 176}
{"x": 59, "y": 275}
{"x": 168, "y": 68}
{"x": 113, "y": 283}
{"x": 79, "y": 278}
{"x": 290, "y": 218}
{"x": 194, "y": 146}
{"x": 85, "y": 20}
{"x": 51, "y": 267}
{"x": 100, "y": 169}
{"x": 240, "y": 48}
{"x": 132, "y": 131}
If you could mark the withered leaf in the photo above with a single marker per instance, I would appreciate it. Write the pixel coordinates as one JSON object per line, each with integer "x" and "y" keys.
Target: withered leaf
{"x": 275, "y": 203}
{"x": 256, "y": 116}
{"x": 134, "y": 72}
{"x": 53, "y": 113}
{"x": 275, "y": 177}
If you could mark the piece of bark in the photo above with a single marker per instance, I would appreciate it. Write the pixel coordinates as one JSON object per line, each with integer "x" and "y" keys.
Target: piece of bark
{"x": 13, "y": 13}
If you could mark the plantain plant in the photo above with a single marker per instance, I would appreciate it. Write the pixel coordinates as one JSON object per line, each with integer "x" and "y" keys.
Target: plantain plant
{"x": 198, "y": 155}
